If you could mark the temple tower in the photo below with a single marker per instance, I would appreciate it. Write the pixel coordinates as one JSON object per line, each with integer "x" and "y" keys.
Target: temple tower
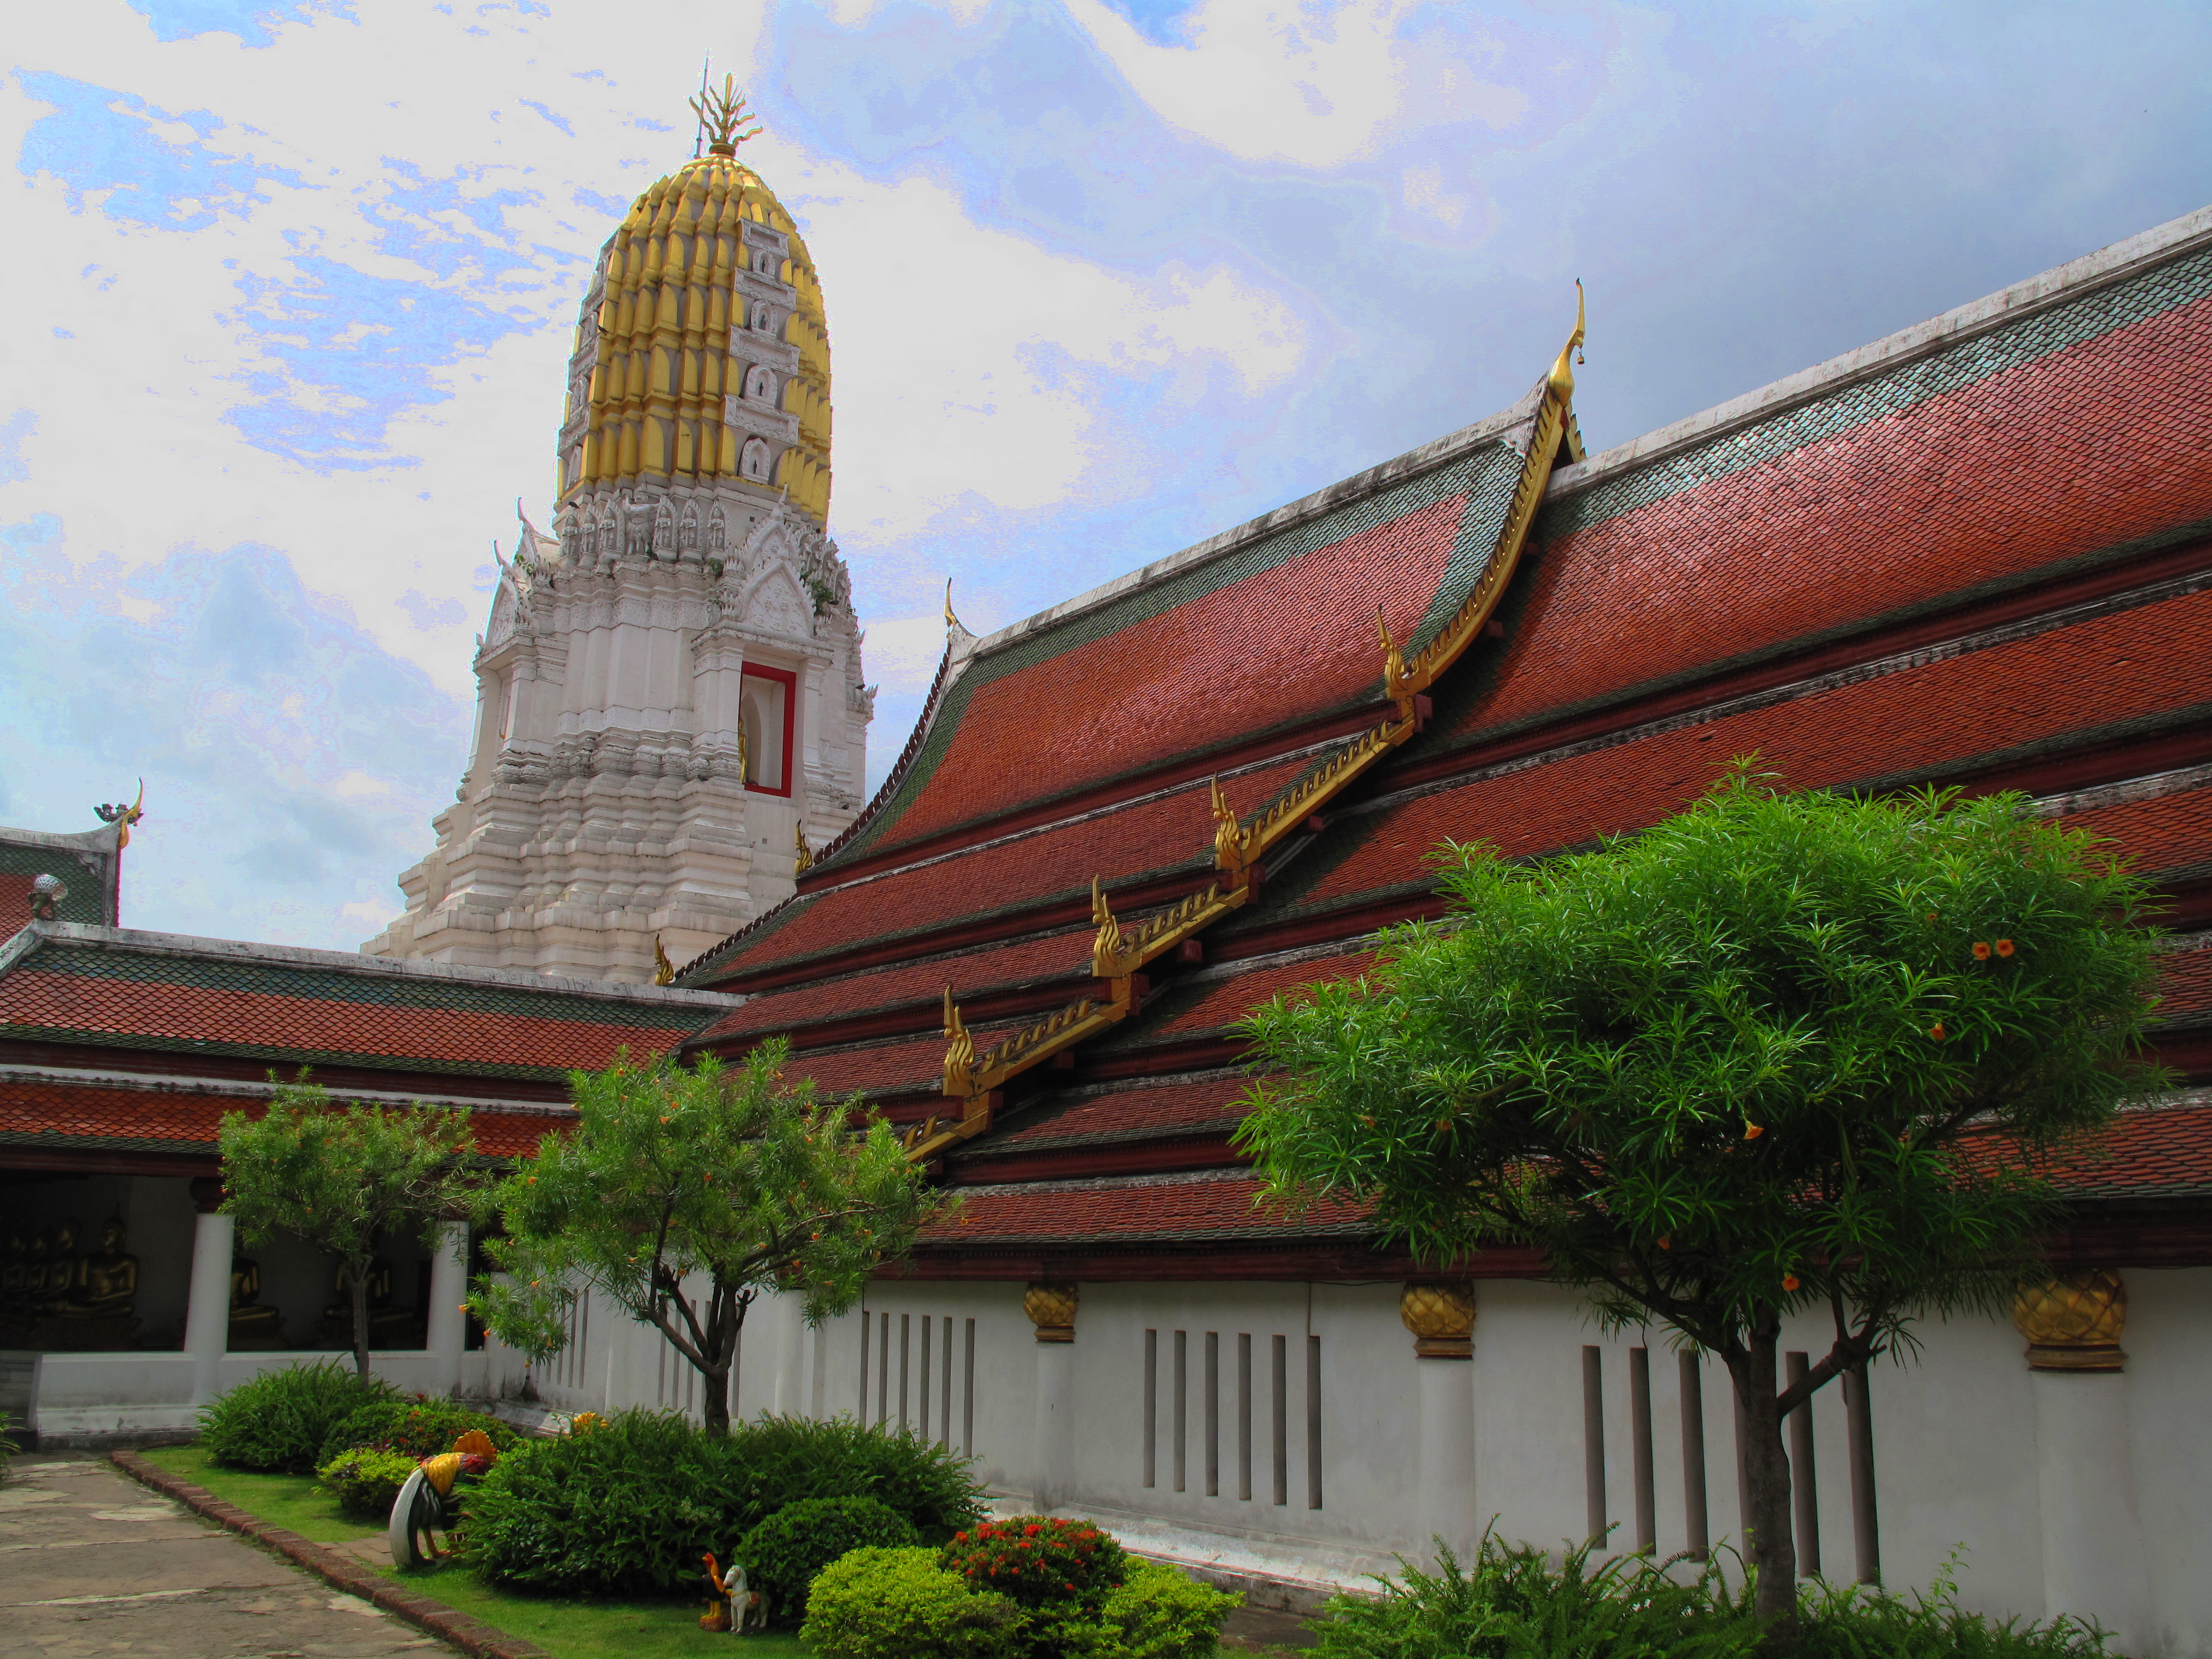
{"x": 670, "y": 705}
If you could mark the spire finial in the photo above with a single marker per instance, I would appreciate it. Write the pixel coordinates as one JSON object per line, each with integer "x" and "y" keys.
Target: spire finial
{"x": 721, "y": 113}
{"x": 950, "y": 621}
{"x": 1562, "y": 377}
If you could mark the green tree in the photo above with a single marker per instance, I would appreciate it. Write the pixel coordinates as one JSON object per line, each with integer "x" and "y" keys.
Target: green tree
{"x": 345, "y": 1178}
{"x": 1780, "y": 1053}
{"x": 674, "y": 1173}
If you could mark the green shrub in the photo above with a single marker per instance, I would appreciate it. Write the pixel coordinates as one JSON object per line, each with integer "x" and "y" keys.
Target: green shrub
{"x": 790, "y": 1459}
{"x": 1512, "y": 1603}
{"x": 1039, "y": 1561}
{"x": 783, "y": 1553}
{"x": 419, "y": 1428}
{"x": 901, "y": 1604}
{"x": 279, "y": 1420}
{"x": 1156, "y": 1613}
{"x": 630, "y": 1508}
{"x": 366, "y": 1480}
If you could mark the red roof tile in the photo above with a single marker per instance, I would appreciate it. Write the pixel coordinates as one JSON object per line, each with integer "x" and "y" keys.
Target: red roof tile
{"x": 1209, "y": 1206}
{"x": 2144, "y": 661}
{"x": 2185, "y": 982}
{"x": 37, "y": 1001}
{"x": 1285, "y": 643}
{"x": 1224, "y": 1002}
{"x": 1127, "y": 841}
{"x": 77, "y": 1114}
{"x": 1065, "y": 953}
{"x": 1166, "y": 1109}
{"x": 2078, "y": 451}
{"x": 2164, "y": 833}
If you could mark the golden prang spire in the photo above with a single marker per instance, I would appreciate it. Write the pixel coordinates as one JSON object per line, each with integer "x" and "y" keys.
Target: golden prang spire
{"x": 721, "y": 113}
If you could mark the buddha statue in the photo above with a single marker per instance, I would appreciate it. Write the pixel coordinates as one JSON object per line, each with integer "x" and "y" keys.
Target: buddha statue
{"x": 106, "y": 1279}
{"x": 253, "y": 1328}
{"x": 59, "y": 1282}
{"x": 96, "y": 1310}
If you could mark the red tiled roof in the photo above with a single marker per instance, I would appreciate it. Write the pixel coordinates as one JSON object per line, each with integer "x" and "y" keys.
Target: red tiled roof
{"x": 37, "y": 1001}
{"x": 2147, "y": 660}
{"x": 2166, "y": 1151}
{"x": 83, "y": 1114}
{"x": 1063, "y": 953}
{"x": 1165, "y": 1108}
{"x": 2163, "y": 833}
{"x": 1210, "y": 1206}
{"x": 2185, "y": 982}
{"x": 2074, "y": 451}
{"x": 1290, "y": 641}
{"x": 1226, "y": 1001}
{"x": 1124, "y": 842}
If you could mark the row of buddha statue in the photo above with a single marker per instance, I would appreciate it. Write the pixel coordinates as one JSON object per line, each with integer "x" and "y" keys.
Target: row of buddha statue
{"x": 52, "y": 1298}
{"x": 56, "y": 1300}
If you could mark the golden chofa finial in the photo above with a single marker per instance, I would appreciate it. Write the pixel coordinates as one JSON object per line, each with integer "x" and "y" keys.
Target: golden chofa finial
{"x": 722, "y": 113}
{"x": 1394, "y": 668}
{"x": 804, "y": 861}
{"x": 663, "y": 970}
{"x": 960, "y": 1055}
{"x": 1562, "y": 377}
{"x": 950, "y": 621}
{"x": 1105, "y": 948}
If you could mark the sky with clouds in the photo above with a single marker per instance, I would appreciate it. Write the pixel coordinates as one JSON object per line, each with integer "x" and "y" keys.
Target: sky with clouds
{"x": 293, "y": 286}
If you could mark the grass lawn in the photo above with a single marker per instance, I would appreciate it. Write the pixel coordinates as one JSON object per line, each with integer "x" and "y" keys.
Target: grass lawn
{"x": 566, "y": 1628}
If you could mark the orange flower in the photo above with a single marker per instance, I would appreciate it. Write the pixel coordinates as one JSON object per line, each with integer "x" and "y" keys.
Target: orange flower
{"x": 1936, "y": 1030}
{"x": 1366, "y": 1120}
{"x": 1665, "y": 1242}
{"x": 2004, "y": 947}
{"x": 1931, "y": 915}
{"x": 1752, "y": 1131}
{"x": 1790, "y": 1281}
{"x": 1981, "y": 950}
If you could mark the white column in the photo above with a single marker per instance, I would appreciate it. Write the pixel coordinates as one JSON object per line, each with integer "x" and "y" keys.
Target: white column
{"x": 1051, "y": 1309}
{"x": 2093, "y": 1543}
{"x": 2092, "y": 1539}
{"x": 449, "y": 1287}
{"x": 1441, "y": 1319}
{"x": 207, "y": 1315}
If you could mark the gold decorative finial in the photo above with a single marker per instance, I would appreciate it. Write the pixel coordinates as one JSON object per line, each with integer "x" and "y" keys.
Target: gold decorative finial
{"x": 663, "y": 970}
{"x": 123, "y": 817}
{"x": 1562, "y": 377}
{"x": 805, "y": 859}
{"x": 1228, "y": 835}
{"x": 721, "y": 113}
{"x": 1106, "y": 949}
{"x": 950, "y": 621}
{"x": 960, "y": 1056}
{"x": 1394, "y": 669}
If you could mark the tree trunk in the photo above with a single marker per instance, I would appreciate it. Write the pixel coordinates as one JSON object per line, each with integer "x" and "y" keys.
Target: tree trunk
{"x": 360, "y": 1319}
{"x": 1766, "y": 1477}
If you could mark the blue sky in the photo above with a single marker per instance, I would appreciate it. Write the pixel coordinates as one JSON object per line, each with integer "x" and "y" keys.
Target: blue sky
{"x": 292, "y": 286}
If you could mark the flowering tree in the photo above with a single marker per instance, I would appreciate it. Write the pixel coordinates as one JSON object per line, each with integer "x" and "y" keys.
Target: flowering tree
{"x": 1779, "y": 1053}
{"x": 673, "y": 1171}
{"x": 345, "y": 1178}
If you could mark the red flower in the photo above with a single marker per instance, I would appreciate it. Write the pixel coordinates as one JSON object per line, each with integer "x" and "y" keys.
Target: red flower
{"x": 2004, "y": 947}
{"x": 1936, "y": 1030}
{"x": 1981, "y": 950}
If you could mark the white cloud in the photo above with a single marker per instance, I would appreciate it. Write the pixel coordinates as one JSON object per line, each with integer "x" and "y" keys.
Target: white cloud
{"x": 1306, "y": 81}
{"x": 952, "y": 343}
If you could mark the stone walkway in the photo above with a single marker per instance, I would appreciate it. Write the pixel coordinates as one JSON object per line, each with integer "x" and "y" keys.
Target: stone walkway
{"x": 93, "y": 1563}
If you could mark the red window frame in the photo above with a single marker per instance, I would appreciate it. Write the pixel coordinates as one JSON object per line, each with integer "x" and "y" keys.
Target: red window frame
{"x": 789, "y": 681}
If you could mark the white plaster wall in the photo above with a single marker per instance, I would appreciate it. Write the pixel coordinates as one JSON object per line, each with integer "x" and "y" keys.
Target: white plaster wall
{"x": 2169, "y": 1377}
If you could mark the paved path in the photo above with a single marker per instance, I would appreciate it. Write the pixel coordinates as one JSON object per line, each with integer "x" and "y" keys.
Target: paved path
{"x": 92, "y": 1563}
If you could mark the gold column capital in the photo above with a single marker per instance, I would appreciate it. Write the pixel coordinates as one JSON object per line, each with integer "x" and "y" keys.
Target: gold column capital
{"x": 1051, "y": 1309}
{"x": 1440, "y": 1318}
{"x": 2073, "y": 1322}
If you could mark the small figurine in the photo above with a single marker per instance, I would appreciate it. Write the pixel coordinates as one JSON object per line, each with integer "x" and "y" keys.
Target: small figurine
{"x": 736, "y": 1609}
